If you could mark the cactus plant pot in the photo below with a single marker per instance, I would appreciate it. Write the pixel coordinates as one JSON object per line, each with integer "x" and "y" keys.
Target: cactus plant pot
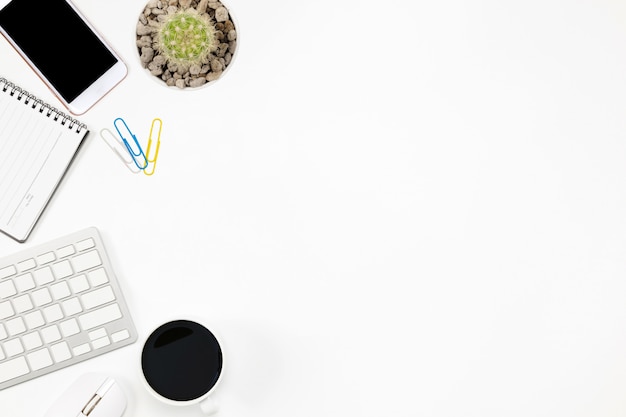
{"x": 186, "y": 44}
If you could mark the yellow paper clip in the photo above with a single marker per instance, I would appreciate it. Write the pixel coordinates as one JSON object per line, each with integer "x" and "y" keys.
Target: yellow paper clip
{"x": 158, "y": 144}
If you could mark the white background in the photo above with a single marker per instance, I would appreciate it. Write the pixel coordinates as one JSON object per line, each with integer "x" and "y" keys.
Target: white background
{"x": 403, "y": 208}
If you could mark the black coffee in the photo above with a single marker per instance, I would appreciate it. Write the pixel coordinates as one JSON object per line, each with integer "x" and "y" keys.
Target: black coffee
{"x": 181, "y": 360}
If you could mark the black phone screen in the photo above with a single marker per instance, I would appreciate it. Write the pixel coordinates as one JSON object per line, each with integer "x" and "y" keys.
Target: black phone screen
{"x": 58, "y": 42}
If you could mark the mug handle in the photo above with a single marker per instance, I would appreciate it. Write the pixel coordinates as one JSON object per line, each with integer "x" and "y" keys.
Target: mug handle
{"x": 209, "y": 406}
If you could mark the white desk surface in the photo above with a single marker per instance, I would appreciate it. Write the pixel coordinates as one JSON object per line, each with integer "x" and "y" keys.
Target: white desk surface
{"x": 403, "y": 208}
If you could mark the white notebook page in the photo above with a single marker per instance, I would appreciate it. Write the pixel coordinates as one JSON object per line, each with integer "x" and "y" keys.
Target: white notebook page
{"x": 35, "y": 151}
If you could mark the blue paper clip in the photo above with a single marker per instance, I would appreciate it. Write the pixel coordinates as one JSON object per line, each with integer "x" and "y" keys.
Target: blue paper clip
{"x": 133, "y": 154}
{"x": 158, "y": 145}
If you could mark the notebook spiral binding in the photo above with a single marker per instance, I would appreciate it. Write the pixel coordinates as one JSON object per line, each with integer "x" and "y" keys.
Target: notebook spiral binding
{"x": 43, "y": 107}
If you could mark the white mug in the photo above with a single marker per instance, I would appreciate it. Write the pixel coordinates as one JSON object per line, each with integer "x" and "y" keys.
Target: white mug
{"x": 181, "y": 363}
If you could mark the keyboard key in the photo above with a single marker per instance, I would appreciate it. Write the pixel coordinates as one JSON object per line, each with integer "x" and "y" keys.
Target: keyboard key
{"x": 41, "y": 297}
{"x": 39, "y": 359}
{"x": 22, "y": 303}
{"x": 119, "y": 336}
{"x": 60, "y": 290}
{"x": 3, "y": 332}
{"x": 6, "y": 310}
{"x": 7, "y": 271}
{"x": 100, "y": 343}
{"x": 85, "y": 244}
{"x": 24, "y": 282}
{"x": 26, "y": 265}
{"x": 86, "y": 261}
{"x": 16, "y": 326}
{"x": 62, "y": 269}
{"x": 53, "y": 313}
{"x": 69, "y": 327}
{"x": 98, "y": 297}
{"x": 7, "y": 289}
{"x": 43, "y": 276}
{"x": 60, "y": 352}
{"x": 13, "y": 347}
{"x": 97, "y": 334}
{"x": 65, "y": 251}
{"x": 13, "y": 368}
{"x": 71, "y": 306}
{"x": 32, "y": 341}
{"x": 99, "y": 317}
{"x": 81, "y": 349}
{"x": 34, "y": 319}
{"x": 45, "y": 258}
{"x": 79, "y": 284}
{"x": 50, "y": 334}
{"x": 98, "y": 277}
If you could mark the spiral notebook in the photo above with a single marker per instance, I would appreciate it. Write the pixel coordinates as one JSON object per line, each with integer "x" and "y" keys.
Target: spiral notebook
{"x": 37, "y": 146}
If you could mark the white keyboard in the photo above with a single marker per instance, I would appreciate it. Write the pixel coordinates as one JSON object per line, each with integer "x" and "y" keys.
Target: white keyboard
{"x": 60, "y": 304}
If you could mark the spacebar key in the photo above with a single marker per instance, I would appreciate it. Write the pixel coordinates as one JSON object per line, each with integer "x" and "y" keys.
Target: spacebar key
{"x": 100, "y": 316}
{"x": 13, "y": 368}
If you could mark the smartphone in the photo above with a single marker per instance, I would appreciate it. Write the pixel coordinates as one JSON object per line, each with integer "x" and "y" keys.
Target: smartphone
{"x": 58, "y": 43}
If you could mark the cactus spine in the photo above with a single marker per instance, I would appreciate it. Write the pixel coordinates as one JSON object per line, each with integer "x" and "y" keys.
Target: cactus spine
{"x": 187, "y": 38}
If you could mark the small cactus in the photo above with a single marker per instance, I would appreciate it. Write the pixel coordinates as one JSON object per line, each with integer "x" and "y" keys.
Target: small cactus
{"x": 187, "y": 38}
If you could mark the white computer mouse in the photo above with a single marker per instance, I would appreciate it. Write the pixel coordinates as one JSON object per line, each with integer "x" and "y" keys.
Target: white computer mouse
{"x": 92, "y": 395}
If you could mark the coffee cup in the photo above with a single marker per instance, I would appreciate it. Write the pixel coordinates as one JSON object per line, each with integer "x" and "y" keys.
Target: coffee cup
{"x": 181, "y": 363}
